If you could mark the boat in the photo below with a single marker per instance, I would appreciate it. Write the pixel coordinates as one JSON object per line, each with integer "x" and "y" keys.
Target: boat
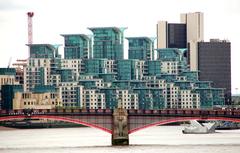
{"x": 199, "y": 128}
{"x": 38, "y": 123}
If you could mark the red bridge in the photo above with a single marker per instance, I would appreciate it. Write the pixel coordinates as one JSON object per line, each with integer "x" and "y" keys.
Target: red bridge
{"x": 135, "y": 119}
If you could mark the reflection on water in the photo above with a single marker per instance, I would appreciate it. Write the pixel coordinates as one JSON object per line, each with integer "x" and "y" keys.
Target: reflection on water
{"x": 157, "y": 139}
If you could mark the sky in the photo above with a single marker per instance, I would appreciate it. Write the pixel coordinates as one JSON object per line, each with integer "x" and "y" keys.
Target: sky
{"x": 55, "y": 17}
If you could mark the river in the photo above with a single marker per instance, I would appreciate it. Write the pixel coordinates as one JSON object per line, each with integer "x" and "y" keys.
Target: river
{"x": 160, "y": 139}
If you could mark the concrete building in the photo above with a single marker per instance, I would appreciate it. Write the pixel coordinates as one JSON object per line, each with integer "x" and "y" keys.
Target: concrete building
{"x": 37, "y": 72}
{"x": 173, "y": 96}
{"x": 92, "y": 83}
{"x": 172, "y": 60}
{"x": 180, "y": 35}
{"x": 194, "y": 26}
{"x": 128, "y": 99}
{"x": 44, "y": 60}
{"x": 153, "y": 82}
{"x": 55, "y": 80}
{"x": 214, "y": 63}
{"x": 93, "y": 99}
{"x": 192, "y": 56}
{"x": 195, "y": 33}
{"x": 213, "y": 60}
{"x": 18, "y": 66}
{"x": 72, "y": 94}
{"x": 76, "y": 65}
{"x": 188, "y": 99}
{"x": 44, "y": 99}
{"x": 162, "y": 41}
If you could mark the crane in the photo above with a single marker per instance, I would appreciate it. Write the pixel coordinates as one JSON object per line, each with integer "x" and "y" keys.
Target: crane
{"x": 30, "y": 36}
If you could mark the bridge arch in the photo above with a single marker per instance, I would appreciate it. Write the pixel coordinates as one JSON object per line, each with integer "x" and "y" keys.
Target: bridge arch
{"x": 182, "y": 119}
{"x": 57, "y": 118}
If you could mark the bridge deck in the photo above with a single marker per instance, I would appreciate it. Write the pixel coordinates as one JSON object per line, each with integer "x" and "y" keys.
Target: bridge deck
{"x": 137, "y": 119}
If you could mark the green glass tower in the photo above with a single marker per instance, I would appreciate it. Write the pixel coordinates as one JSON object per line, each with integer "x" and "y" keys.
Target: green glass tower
{"x": 42, "y": 51}
{"x": 108, "y": 42}
{"x": 140, "y": 48}
{"x": 77, "y": 46}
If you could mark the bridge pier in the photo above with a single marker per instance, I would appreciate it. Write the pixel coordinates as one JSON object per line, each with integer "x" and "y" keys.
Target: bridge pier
{"x": 120, "y": 127}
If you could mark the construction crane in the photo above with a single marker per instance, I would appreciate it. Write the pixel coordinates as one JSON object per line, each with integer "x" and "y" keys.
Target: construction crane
{"x": 30, "y": 36}
{"x": 20, "y": 63}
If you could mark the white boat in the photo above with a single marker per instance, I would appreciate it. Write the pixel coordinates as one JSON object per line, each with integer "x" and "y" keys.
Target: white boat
{"x": 199, "y": 128}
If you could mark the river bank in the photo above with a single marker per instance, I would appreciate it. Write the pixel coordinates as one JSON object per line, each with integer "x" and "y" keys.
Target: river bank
{"x": 2, "y": 128}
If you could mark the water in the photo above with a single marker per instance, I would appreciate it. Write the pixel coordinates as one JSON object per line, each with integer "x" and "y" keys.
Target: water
{"x": 164, "y": 139}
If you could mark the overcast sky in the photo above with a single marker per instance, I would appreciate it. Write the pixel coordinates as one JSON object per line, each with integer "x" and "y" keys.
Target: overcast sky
{"x": 55, "y": 17}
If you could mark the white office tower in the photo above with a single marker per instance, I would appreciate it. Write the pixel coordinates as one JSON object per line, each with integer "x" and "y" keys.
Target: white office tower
{"x": 194, "y": 23}
{"x": 162, "y": 30}
{"x": 194, "y": 28}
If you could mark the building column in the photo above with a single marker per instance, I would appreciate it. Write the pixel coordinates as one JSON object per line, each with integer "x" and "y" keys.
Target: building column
{"x": 120, "y": 127}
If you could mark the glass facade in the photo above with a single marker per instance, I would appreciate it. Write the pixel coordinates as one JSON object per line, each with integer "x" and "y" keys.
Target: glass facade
{"x": 141, "y": 48}
{"x": 130, "y": 69}
{"x": 44, "y": 89}
{"x": 150, "y": 98}
{"x": 42, "y": 51}
{"x": 8, "y": 92}
{"x": 169, "y": 54}
{"x": 77, "y": 46}
{"x": 7, "y": 71}
{"x": 154, "y": 67}
{"x": 214, "y": 63}
{"x": 108, "y": 42}
{"x": 110, "y": 97}
{"x": 66, "y": 75}
{"x": 99, "y": 66}
{"x": 177, "y": 35}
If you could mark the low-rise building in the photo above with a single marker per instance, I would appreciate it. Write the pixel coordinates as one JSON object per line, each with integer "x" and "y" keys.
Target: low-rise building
{"x": 31, "y": 100}
{"x": 41, "y": 97}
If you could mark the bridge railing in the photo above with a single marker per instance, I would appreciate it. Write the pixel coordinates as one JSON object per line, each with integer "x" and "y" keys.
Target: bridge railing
{"x": 185, "y": 112}
{"x": 55, "y": 111}
{"x": 168, "y": 112}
